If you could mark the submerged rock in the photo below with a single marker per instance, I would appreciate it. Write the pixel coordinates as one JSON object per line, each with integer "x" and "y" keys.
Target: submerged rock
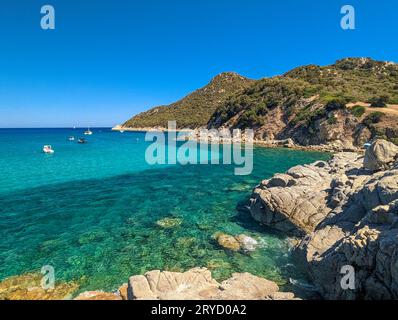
{"x": 228, "y": 242}
{"x": 247, "y": 243}
{"x": 218, "y": 264}
{"x": 236, "y": 243}
{"x": 169, "y": 222}
{"x": 28, "y": 287}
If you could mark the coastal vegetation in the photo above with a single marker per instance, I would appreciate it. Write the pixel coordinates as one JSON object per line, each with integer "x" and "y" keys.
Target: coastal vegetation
{"x": 195, "y": 109}
{"x": 379, "y": 102}
{"x": 358, "y": 111}
{"x": 373, "y": 118}
{"x": 300, "y": 104}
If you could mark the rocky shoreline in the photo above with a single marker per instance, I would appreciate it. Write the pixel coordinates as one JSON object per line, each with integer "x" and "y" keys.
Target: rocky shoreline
{"x": 194, "y": 284}
{"x": 334, "y": 146}
{"x": 345, "y": 213}
{"x": 146, "y": 129}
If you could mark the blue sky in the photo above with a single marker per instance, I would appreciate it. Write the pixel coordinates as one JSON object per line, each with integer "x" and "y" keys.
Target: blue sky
{"x": 108, "y": 60}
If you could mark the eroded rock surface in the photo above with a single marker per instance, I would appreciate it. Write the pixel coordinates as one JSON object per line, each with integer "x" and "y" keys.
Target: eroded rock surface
{"x": 28, "y": 287}
{"x": 296, "y": 202}
{"x": 346, "y": 214}
{"x": 381, "y": 155}
{"x": 98, "y": 295}
{"x": 197, "y": 284}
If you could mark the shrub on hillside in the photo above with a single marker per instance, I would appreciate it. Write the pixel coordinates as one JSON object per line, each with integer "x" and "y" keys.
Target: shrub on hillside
{"x": 336, "y": 104}
{"x": 373, "y": 118}
{"x": 379, "y": 102}
{"x": 308, "y": 116}
{"x": 332, "y": 120}
{"x": 357, "y": 111}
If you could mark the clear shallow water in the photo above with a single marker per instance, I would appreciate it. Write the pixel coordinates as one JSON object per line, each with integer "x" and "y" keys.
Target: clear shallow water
{"x": 91, "y": 210}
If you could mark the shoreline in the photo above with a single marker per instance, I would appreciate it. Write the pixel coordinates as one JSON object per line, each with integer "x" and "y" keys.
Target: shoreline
{"x": 149, "y": 129}
{"x": 332, "y": 147}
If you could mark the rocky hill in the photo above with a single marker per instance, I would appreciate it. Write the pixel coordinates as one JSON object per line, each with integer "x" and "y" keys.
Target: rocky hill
{"x": 315, "y": 105}
{"x": 195, "y": 109}
{"x": 351, "y": 101}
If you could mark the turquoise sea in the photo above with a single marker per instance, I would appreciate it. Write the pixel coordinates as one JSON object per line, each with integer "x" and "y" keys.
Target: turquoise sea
{"x": 90, "y": 210}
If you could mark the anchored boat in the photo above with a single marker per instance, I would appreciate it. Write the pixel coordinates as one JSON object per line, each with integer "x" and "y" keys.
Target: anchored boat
{"x": 48, "y": 149}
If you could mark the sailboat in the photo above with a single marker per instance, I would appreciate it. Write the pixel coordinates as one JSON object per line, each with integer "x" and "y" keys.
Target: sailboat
{"x": 88, "y": 132}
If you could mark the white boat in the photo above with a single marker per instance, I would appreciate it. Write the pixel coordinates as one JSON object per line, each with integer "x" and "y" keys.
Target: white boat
{"x": 48, "y": 149}
{"x": 88, "y": 132}
{"x": 71, "y": 138}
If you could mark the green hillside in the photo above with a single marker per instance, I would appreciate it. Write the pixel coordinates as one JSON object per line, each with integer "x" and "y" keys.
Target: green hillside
{"x": 195, "y": 109}
{"x": 349, "y": 80}
{"x": 310, "y": 104}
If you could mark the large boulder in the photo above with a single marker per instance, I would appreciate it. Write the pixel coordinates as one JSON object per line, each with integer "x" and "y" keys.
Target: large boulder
{"x": 198, "y": 284}
{"x": 381, "y": 155}
{"x": 296, "y": 202}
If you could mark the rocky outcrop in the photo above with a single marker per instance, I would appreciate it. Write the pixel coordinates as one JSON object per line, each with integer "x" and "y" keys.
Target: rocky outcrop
{"x": 29, "y": 287}
{"x": 194, "y": 284}
{"x": 296, "y": 202}
{"x": 346, "y": 215}
{"x": 380, "y": 155}
{"x": 198, "y": 284}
